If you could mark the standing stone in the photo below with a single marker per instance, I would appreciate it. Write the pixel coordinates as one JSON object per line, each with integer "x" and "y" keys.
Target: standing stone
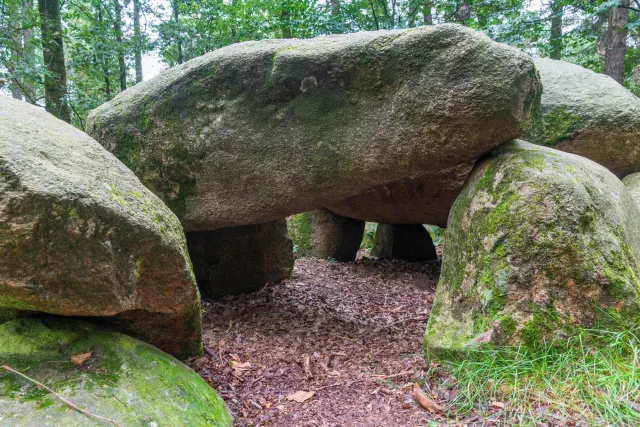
{"x": 335, "y": 236}
{"x": 81, "y": 236}
{"x": 409, "y": 242}
{"x": 588, "y": 114}
{"x": 539, "y": 243}
{"x": 258, "y": 131}
{"x": 241, "y": 259}
{"x": 632, "y": 182}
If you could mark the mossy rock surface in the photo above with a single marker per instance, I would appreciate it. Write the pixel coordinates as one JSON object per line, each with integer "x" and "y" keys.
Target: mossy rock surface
{"x": 258, "y": 131}
{"x": 300, "y": 229}
{"x": 81, "y": 236}
{"x": 125, "y": 380}
{"x": 539, "y": 242}
{"x": 588, "y": 114}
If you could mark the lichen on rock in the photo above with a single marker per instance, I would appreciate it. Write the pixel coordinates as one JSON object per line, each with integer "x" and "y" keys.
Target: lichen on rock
{"x": 588, "y": 114}
{"x": 539, "y": 242}
{"x": 125, "y": 380}
{"x": 81, "y": 236}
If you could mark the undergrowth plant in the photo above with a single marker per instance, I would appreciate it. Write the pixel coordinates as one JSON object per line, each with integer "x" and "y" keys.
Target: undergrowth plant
{"x": 592, "y": 378}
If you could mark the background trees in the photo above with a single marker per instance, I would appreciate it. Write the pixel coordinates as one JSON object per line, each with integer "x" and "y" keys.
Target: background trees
{"x": 71, "y": 56}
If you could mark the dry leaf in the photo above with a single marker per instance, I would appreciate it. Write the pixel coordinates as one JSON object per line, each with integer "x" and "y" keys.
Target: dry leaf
{"x": 301, "y": 396}
{"x": 79, "y": 358}
{"x": 425, "y": 401}
{"x": 636, "y": 407}
{"x": 497, "y": 405}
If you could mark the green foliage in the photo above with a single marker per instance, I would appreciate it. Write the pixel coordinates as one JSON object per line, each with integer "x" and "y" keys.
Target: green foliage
{"x": 179, "y": 30}
{"x": 591, "y": 378}
{"x": 437, "y": 234}
{"x": 369, "y": 235}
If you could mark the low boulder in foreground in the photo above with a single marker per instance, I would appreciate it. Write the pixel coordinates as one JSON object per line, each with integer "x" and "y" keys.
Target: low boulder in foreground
{"x": 81, "y": 236}
{"x": 105, "y": 373}
{"x": 588, "y": 114}
{"x": 257, "y": 131}
{"x": 539, "y": 242}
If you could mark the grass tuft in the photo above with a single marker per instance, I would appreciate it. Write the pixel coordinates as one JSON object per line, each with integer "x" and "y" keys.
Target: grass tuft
{"x": 592, "y": 378}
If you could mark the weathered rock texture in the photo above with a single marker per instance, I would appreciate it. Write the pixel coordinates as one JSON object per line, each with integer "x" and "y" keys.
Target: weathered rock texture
{"x": 632, "y": 182}
{"x": 539, "y": 242}
{"x": 124, "y": 380}
{"x": 589, "y": 114}
{"x": 410, "y": 242}
{"x": 241, "y": 259}
{"x": 257, "y": 131}
{"x": 81, "y": 236}
{"x": 422, "y": 199}
{"x": 334, "y": 236}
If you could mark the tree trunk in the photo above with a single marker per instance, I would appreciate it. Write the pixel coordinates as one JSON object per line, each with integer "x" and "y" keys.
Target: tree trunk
{"x": 285, "y": 20}
{"x": 117, "y": 28}
{"x": 55, "y": 81}
{"x": 335, "y": 7}
{"x": 28, "y": 90}
{"x": 105, "y": 63}
{"x": 555, "y": 40}
{"x": 616, "y": 42}
{"x": 427, "y": 17}
{"x": 137, "y": 40}
{"x": 176, "y": 16}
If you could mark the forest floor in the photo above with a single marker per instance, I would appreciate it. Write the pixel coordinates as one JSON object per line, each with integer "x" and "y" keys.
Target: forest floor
{"x": 340, "y": 344}
{"x": 347, "y": 335}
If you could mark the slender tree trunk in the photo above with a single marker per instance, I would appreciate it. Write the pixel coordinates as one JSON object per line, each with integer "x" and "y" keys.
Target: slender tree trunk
{"x": 137, "y": 40}
{"x": 176, "y": 17}
{"x": 55, "y": 81}
{"x": 427, "y": 16}
{"x": 285, "y": 20}
{"x": 105, "y": 63}
{"x": 117, "y": 28}
{"x": 335, "y": 7}
{"x": 28, "y": 90}
{"x": 616, "y": 42}
{"x": 555, "y": 40}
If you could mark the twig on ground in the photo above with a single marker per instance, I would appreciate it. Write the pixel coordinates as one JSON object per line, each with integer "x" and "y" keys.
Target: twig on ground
{"x": 71, "y": 404}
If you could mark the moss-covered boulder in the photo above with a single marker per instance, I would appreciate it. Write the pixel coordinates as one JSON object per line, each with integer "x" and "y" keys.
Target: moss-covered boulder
{"x": 539, "y": 242}
{"x": 125, "y": 380}
{"x": 81, "y": 236}
{"x": 241, "y": 259}
{"x": 422, "y": 199}
{"x": 588, "y": 114}
{"x": 409, "y": 242}
{"x": 258, "y": 131}
{"x": 300, "y": 227}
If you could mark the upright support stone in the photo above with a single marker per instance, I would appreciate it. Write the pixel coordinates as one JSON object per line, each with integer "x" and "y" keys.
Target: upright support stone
{"x": 410, "y": 242}
{"x": 335, "y": 236}
{"x": 241, "y": 259}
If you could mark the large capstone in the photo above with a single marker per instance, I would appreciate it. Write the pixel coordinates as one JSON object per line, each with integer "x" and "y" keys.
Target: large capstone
{"x": 539, "y": 243}
{"x": 421, "y": 199}
{"x": 258, "y": 131}
{"x": 105, "y": 373}
{"x": 241, "y": 259}
{"x": 81, "y": 236}
{"x": 589, "y": 114}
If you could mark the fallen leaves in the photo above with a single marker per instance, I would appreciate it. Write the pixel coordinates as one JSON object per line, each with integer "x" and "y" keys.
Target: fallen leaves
{"x": 300, "y": 396}
{"x": 497, "y": 405}
{"x": 79, "y": 358}
{"x": 425, "y": 401}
